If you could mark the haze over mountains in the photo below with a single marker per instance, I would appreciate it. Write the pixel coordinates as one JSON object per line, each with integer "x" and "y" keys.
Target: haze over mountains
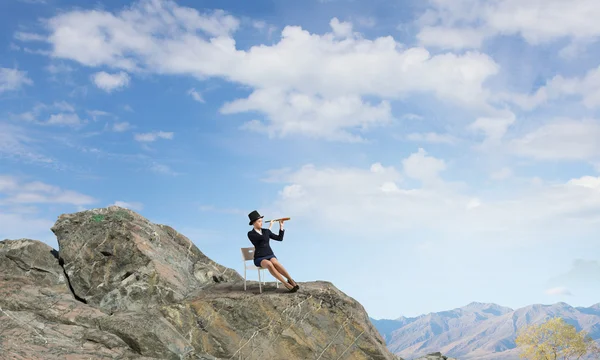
{"x": 483, "y": 331}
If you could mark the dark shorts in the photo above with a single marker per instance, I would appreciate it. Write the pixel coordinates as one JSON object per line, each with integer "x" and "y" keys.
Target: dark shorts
{"x": 258, "y": 260}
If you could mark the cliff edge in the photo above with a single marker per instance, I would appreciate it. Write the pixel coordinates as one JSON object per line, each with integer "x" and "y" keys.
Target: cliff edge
{"x": 122, "y": 287}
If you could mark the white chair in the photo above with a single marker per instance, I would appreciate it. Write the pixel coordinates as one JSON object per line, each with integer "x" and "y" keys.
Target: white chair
{"x": 248, "y": 255}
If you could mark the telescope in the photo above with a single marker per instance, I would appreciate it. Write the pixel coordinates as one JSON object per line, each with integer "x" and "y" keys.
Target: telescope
{"x": 284, "y": 219}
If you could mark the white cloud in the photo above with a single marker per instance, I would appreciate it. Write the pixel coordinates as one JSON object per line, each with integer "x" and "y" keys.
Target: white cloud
{"x": 136, "y": 206}
{"x": 493, "y": 128}
{"x": 326, "y": 71}
{"x": 343, "y": 197}
{"x": 65, "y": 119}
{"x": 153, "y": 136}
{"x": 312, "y": 116}
{"x": 536, "y": 21}
{"x": 23, "y": 36}
{"x": 162, "y": 169}
{"x": 450, "y": 38}
{"x": 61, "y": 105}
{"x": 559, "y": 291}
{"x": 422, "y": 167}
{"x": 121, "y": 126}
{"x": 22, "y": 203}
{"x": 366, "y": 21}
{"x": 13, "y": 79}
{"x": 563, "y": 139}
{"x": 16, "y": 225}
{"x": 501, "y": 174}
{"x": 433, "y": 138}
{"x": 59, "y": 113}
{"x": 95, "y": 114}
{"x": 17, "y": 143}
{"x": 196, "y": 95}
{"x": 587, "y": 88}
{"x": 17, "y": 191}
{"x": 59, "y": 68}
{"x": 110, "y": 82}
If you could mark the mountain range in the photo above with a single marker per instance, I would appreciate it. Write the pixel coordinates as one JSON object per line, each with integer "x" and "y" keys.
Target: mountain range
{"x": 483, "y": 331}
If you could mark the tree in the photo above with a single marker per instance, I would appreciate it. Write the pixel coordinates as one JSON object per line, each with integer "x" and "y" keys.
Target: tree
{"x": 553, "y": 340}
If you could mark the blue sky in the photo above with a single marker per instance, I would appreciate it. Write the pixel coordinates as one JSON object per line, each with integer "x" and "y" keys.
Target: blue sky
{"x": 430, "y": 153}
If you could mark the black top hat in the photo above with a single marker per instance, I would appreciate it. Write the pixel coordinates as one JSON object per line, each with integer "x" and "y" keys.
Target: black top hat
{"x": 254, "y": 215}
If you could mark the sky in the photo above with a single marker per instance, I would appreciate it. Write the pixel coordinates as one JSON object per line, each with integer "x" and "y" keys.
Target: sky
{"x": 429, "y": 153}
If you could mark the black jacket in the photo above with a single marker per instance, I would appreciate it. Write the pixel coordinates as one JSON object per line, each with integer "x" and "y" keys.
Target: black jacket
{"x": 261, "y": 242}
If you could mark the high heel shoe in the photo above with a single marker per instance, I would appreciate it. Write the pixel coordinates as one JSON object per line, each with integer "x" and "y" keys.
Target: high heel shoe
{"x": 295, "y": 286}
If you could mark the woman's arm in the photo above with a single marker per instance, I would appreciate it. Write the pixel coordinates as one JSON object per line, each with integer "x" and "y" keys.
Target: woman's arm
{"x": 278, "y": 237}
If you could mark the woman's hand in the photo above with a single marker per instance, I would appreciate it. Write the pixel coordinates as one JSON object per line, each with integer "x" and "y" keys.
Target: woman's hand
{"x": 270, "y": 226}
{"x": 280, "y": 224}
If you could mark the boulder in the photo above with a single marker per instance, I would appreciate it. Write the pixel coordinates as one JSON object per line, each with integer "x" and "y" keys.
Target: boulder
{"x": 137, "y": 290}
{"x": 116, "y": 259}
{"x": 31, "y": 259}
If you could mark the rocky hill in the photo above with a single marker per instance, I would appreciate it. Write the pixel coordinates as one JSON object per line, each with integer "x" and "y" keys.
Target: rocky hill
{"x": 478, "y": 330}
{"x": 121, "y": 287}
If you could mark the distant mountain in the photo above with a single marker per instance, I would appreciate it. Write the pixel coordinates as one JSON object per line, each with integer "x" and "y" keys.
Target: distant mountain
{"x": 479, "y": 330}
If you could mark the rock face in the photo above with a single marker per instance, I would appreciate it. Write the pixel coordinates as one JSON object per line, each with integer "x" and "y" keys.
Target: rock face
{"x": 122, "y": 287}
{"x": 117, "y": 260}
{"x": 435, "y": 356}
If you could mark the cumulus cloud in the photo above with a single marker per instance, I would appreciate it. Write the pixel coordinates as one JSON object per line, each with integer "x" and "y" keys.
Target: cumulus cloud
{"x": 64, "y": 119}
{"x": 22, "y": 204}
{"x": 153, "y": 136}
{"x": 563, "y": 139}
{"x": 422, "y": 167}
{"x": 585, "y": 88}
{"x": 326, "y": 71}
{"x": 559, "y": 291}
{"x": 13, "y": 79}
{"x": 493, "y": 128}
{"x": 313, "y": 116}
{"x": 18, "y": 191}
{"x": 432, "y": 138}
{"x": 59, "y": 113}
{"x": 502, "y": 174}
{"x": 121, "y": 126}
{"x": 383, "y": 195}
{"x": 464, "y": 23}
{"x": 450, "y": 38}
{"x": 110, "y": 82}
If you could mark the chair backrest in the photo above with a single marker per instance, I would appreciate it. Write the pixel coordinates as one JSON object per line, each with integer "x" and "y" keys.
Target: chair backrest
{"x": 248, "y": 253}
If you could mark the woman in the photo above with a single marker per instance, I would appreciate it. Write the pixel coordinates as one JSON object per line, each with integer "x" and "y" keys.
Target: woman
{"x": 263, "y": 254}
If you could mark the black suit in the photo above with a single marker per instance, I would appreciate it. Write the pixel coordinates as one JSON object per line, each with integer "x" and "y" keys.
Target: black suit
{"x": 261, "y": 242}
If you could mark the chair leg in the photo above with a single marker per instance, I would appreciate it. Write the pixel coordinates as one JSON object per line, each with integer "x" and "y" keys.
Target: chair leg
{"x": 259, "y": 282}
{"x": 244, "y": 277}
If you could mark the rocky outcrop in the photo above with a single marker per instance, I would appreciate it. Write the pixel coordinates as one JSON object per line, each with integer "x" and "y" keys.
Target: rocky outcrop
{"x": 122, "y": 287}
{"x": 435, "y": 356}
{"x": 117, "y": 260}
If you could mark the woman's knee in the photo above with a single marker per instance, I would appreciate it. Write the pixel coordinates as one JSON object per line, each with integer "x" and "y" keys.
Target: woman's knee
{"x": 266, "y": 264}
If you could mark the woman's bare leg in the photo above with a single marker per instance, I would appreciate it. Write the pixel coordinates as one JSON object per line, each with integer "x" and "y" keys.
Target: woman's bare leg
{"x": 282, "y": 270}
{"x": 271, "y": 267}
